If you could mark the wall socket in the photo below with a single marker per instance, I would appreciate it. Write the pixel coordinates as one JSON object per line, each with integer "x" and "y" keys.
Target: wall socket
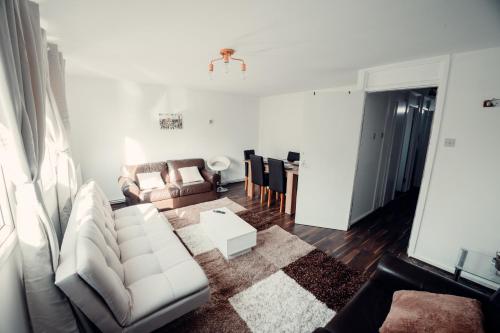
{"x": 449, "y": 142}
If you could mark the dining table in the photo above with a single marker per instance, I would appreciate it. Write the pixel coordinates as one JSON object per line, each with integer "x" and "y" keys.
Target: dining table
{"x": 292, "y": 179}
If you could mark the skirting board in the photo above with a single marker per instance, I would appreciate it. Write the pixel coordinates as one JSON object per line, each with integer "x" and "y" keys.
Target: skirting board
{"x": 231, "y": 181}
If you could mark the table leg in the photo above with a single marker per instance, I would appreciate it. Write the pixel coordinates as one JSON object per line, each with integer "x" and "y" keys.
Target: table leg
{"x": 460, "y": 264}
{"x": 291, "y": 193}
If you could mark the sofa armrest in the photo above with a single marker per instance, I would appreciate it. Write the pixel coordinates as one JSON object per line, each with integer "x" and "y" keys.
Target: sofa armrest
{"x": 130, "y": 190}
{"x": 211, "y": 177}
{"x": 395, "y": 274}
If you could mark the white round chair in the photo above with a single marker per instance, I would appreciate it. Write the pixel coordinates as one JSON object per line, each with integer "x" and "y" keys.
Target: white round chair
{"x": 219, "y": 164}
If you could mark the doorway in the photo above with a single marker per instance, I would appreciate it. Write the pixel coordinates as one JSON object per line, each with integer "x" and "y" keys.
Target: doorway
{"x": 395, "y": 134}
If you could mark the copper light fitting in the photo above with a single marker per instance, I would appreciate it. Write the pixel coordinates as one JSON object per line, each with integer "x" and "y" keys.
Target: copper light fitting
{"x": 226, "y": 57}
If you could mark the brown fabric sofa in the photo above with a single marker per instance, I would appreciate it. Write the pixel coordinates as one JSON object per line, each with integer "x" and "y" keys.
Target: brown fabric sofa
{"x": 175, "y": 194}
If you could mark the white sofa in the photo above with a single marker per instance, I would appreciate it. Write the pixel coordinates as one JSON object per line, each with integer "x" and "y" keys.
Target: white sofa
{"x": 126, "y": 270}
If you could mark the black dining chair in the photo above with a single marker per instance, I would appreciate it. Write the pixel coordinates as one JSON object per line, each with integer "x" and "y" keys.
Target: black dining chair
{"x": 277, "y": 181}
{"x": 259, "y": 177}
{"x": 293, "y": 156}
{"x": 247, "y": 154}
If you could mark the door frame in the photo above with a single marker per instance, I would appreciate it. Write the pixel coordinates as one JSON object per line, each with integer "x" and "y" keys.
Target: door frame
{"x": 422, "y": 73}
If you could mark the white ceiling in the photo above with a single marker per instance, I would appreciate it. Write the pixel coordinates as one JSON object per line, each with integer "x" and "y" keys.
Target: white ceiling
{"x": 289, "y": 45}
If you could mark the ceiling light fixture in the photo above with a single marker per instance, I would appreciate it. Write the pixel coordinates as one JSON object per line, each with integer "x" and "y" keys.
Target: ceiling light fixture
{"x": 226, "y": 57}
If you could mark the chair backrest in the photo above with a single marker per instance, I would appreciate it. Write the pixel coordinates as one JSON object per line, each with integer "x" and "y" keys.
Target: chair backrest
{"x": 293, "y": 156}
{"x": 257, "y": 169}
{"x": 219, "y": 163}
{"x": 277, "y": 176}
{"x": 247, "y": 154}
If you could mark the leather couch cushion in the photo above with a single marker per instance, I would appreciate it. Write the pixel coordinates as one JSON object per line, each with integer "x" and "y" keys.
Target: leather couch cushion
{"x": 131, "y": 171}
{"x": 420, "y": 311}
{"x": 146, "y": 209}
{"x": 98, "y": 265}
{"x": 174, "y": 165}
{"x": 152, "y": 255}
{"x": 168, "y": 192}
{"x": 194, "y": 188}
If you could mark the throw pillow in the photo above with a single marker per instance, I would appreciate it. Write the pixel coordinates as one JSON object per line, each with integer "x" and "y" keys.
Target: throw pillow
{"x": 420, "y": 311}
{"x": 191, "y": 175}
{"x": 150, "y": 180}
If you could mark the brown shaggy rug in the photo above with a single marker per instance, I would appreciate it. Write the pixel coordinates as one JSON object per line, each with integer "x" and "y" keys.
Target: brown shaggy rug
{"x": 283, "y": 285}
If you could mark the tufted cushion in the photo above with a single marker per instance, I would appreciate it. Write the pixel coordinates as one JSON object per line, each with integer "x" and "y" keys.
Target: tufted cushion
{"x": 128, "y": 263}
{"x": 98, "y": 265}
{"x": 146, "y": 209}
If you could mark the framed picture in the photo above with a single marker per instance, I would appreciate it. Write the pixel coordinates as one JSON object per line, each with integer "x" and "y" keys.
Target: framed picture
{"x": 170, "y": 121}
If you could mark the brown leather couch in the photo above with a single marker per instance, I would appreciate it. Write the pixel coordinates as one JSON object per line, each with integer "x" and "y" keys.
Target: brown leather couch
{"x": 175, "y": 194}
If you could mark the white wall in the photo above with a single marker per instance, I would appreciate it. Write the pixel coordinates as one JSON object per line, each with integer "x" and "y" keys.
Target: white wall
{"x": 116, "y": 122}
{"x": 464, "y": 191}
{"x": 280, "y": 124}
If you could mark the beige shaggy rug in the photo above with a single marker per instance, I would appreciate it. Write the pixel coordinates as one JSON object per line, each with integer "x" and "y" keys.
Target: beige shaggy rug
{"x": 283, "y": 285}
{"x": 182, "y": 217}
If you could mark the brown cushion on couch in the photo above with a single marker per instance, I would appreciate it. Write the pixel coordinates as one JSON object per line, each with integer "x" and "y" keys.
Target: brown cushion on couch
{"x": 420, "y": 311}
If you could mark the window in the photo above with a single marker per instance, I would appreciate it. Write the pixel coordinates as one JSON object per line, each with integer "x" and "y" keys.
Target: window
{"x": 6, "y": 218}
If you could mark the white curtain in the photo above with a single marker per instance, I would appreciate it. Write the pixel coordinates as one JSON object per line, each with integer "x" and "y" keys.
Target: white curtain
{"x": 23, "y": 88}
{"x": 58, "y": 128}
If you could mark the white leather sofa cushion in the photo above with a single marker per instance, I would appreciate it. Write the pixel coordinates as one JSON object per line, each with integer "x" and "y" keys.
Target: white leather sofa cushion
{"x": 98, "y": 266}
{"x": 126, "y": 270}
{"x": 146, "y": 209}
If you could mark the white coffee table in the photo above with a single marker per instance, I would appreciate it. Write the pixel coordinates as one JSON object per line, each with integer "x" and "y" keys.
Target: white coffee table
{"x": 230, "y": 234}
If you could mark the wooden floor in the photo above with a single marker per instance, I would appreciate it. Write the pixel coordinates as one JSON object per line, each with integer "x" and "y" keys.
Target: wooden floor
{"x": 387, "y": 230}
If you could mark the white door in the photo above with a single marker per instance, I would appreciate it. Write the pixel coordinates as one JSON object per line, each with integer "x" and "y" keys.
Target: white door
{"x": 331, "y": 129}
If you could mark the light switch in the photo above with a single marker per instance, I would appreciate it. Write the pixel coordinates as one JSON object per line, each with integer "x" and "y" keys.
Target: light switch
{"x": 449, "y": 142}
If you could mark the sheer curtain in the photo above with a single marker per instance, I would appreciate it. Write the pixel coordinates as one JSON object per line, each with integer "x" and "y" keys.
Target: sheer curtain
{"x": 58, "y": 128}
{"x": 23, "y": 91}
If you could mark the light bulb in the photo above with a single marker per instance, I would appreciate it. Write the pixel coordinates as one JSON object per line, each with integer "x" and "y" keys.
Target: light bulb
{"x": 226, "y": 67}
{"x": 243, "y": 75}
{"x": 210, "y": 75}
